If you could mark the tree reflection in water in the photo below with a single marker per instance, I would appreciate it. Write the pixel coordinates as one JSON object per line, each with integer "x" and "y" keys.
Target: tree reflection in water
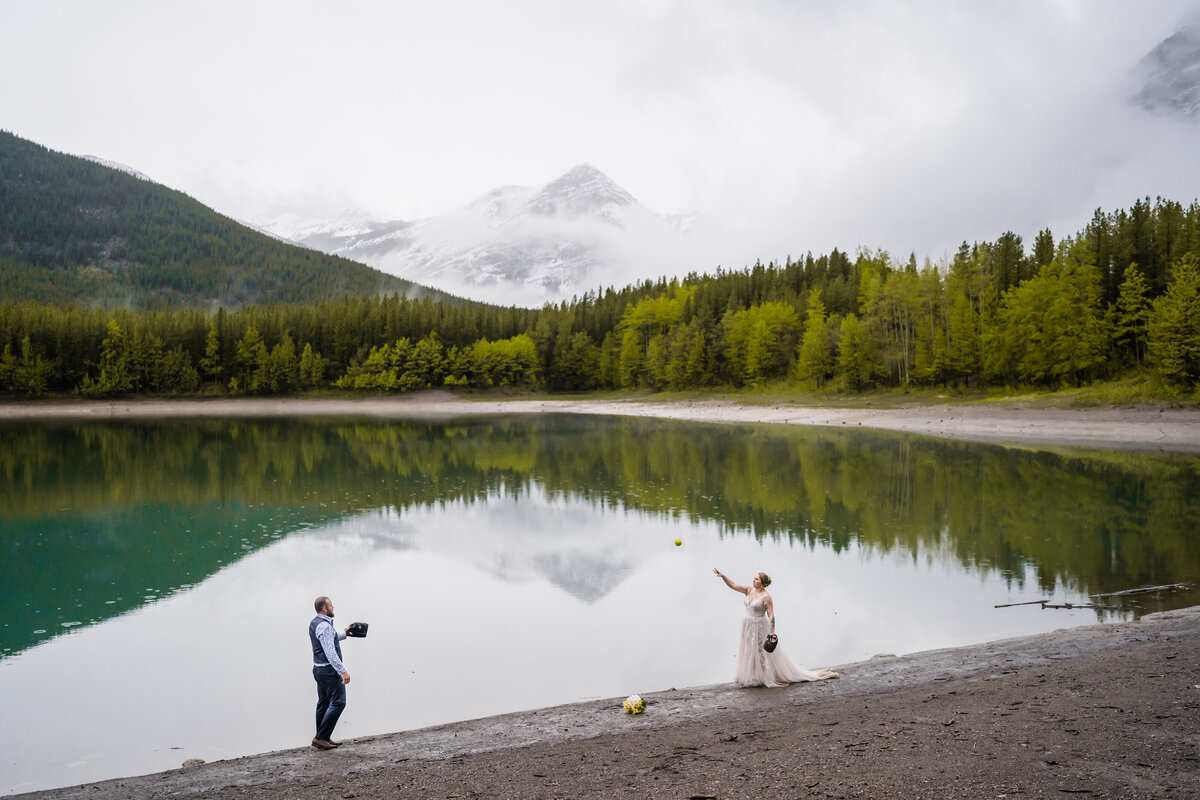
{"x": 100, "y": 518}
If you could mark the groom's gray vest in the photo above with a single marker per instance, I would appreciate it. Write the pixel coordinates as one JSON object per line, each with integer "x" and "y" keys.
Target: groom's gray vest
{"x": 319, "y": 651}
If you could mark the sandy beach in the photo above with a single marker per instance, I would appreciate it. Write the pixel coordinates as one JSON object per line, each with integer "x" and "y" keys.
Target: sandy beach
{"x": 1165, "y": 429}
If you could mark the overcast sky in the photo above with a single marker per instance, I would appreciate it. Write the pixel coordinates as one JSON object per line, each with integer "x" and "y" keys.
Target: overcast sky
{"x": 792, "y": 125}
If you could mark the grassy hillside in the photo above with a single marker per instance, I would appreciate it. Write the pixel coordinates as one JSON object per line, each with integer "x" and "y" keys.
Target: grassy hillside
{"x": 74, "y": 231}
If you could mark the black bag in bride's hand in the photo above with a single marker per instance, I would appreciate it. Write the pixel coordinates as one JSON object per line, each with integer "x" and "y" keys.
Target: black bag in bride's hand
{"x": 771, "y": 643}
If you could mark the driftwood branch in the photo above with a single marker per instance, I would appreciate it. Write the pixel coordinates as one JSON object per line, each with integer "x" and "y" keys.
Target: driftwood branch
{"x": 1170, "y": 587}
{"x": 1047, "y": 604}
{"x": 1147, "y": 590}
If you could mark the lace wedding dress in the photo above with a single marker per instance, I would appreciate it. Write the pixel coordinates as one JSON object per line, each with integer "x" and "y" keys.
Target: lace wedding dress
{"x": 757, "y": 667}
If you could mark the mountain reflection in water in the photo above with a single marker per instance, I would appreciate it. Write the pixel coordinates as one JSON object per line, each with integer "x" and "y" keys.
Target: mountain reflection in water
{"x": 515, "y": 537}
{"x": 97, "y": 519}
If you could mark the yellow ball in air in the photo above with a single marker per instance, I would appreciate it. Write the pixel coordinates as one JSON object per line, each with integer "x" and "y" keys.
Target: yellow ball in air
{"x": 678, "y": 542}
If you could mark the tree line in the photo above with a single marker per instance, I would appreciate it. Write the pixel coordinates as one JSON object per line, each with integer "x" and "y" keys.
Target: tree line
{"x": 1119, "y": 299}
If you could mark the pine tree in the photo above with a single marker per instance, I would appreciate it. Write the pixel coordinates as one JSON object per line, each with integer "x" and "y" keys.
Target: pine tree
{"x": 251, "y": 362}
{"x": 283, "y": 368}
{"x": 177, "y": 374}
{"x": 1043, "y": 251}
{"x": 210, "y": 364}
{"x": 32, "y": 372}
{"x": 8, "y": 369}
{"x": 115, "y": 375}
{"x": 1132, "y": 314}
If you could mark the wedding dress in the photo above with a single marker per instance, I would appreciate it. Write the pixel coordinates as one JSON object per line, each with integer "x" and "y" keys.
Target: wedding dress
{"x": 757, "y": 667}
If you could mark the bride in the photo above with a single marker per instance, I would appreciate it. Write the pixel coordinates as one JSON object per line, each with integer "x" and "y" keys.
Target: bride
{"x": 755, "y": 666}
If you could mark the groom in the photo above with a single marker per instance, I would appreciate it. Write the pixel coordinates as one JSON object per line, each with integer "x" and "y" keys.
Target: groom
{"x": 328, "y": 671}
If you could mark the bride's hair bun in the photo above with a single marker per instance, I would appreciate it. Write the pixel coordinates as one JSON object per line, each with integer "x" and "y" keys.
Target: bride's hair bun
{"x": 765, "y": 579}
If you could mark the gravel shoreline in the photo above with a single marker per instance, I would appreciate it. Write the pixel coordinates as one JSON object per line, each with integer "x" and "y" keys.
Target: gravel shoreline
{"x": 1145, "y": 428}
{"x": 1102, "y": 711}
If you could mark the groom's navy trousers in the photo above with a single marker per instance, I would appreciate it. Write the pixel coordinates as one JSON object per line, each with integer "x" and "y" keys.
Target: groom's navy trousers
{"x": 331, "y": 699}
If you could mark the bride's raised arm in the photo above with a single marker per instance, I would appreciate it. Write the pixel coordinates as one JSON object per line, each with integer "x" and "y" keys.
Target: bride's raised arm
{"x": 729, "y": 583}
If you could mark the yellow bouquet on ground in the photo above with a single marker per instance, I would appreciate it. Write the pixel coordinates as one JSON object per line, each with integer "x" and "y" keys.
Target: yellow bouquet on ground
{"x": 634, "y": 704}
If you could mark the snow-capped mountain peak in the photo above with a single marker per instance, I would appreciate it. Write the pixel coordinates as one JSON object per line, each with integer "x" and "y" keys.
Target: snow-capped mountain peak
{"x": 1169, "y": 75}
{"x": 514, "y": 244}
{"x": 582, "y": 191}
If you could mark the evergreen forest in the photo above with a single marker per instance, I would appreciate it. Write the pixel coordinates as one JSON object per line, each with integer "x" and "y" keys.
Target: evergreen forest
{"x": 222, "y": 309}
{"x": 1119, "y": 299}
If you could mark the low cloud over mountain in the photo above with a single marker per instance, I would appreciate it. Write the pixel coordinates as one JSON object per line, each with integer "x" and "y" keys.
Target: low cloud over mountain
{"x": 515, "y": 244}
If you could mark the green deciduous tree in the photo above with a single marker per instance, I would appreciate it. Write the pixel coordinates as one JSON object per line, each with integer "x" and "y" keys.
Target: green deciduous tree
{"x": 29, "y": 374}
{"x": 1174, "y": 325}
{"x": 929, "y": 331}
{"x": 817, "y": 354}
{"x": 457, "y": 366}
{"x": 760, "y": 341}
{"x": 426, "y": 363}
{"x": 640, "y": 323}
{"x": 1049, "y": 329}
{"x": 690, "y": 356}
{"x": 966, "y": 288}
{"x": 312, "y": 368}
{"x": 854, "y": 356}
{"x": 508, "y": 362}
{"x": 890, "y": 319}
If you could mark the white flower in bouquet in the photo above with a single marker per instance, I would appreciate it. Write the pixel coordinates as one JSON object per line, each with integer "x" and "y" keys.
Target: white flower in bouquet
{"x": 634, "y": 704}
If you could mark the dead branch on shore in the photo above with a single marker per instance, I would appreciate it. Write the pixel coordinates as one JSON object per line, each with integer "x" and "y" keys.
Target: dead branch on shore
{"x": 1170, "y": 587}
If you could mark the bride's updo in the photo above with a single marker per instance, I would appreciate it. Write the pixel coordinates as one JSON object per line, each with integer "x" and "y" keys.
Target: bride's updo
{"x": 764, "y": 579}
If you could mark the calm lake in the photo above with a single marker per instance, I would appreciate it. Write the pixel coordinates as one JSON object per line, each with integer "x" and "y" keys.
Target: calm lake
{"x": 159, "y": 576}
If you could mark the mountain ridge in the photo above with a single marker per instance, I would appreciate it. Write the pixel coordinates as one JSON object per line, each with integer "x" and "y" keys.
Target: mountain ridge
{"x": 85, "y": 231}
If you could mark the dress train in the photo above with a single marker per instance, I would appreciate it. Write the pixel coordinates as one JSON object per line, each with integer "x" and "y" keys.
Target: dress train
{"x": 757, "y": 667}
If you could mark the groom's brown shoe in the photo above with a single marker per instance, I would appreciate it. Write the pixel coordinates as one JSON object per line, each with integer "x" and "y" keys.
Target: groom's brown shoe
{"x": 335, "y": 744}
{"x": 323, "y": 744}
